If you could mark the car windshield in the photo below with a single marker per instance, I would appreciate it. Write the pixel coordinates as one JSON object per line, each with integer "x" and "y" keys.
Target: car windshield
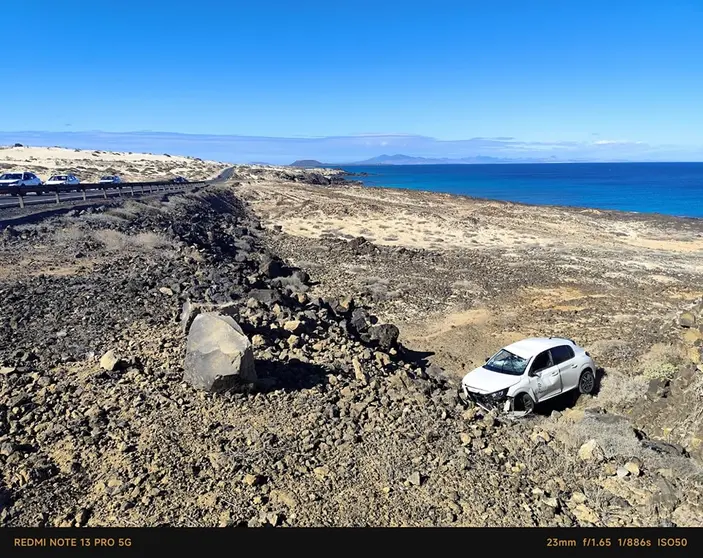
{"x": 61, "y": 177}
{"x": 11, "y": 177}
{"x": 106, "y": 178}
{"x": 506, "y": 362}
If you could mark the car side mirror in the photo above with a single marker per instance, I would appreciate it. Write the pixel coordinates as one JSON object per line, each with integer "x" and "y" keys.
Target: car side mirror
{"x": 487, "y": 359}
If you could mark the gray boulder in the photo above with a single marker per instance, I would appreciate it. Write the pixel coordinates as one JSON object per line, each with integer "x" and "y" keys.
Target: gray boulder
{"x": 219, "y": 356}
{"x": 385, "y": 335}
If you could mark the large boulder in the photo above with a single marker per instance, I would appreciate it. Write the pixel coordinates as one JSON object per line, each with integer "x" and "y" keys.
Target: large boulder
{"x": 273, "y": 267}
{"x": 219, "y": 356}
{"x": 385, "y": 335}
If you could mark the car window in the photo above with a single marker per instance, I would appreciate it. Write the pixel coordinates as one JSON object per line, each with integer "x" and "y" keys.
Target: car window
{"x": 506, "y": 362}
{"x": 542, "y": 361}
{"x": 562, "y": 353}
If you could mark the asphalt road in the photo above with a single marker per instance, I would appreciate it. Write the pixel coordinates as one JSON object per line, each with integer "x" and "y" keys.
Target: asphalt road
{"x": 32, "y": 199}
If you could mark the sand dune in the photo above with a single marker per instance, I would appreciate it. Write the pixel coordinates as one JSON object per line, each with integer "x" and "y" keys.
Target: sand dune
{"x": 89, "y": 165}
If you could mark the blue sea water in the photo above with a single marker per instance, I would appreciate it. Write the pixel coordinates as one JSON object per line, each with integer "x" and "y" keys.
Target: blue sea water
{"x": 668, "y": 188}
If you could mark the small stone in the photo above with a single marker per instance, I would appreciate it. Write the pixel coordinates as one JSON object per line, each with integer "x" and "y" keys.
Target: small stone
{"x": 258, "y": 340}
{"x": 166, "y": 291}
{"x": 632, "y": 468}
{"x": 321, "y": 472}
{"x": 610, "y": 469}
{"x": 692, "y": 335}
{"x": 109, "y": 361}
{"x": 622, "y": 472}
{"x": 465, "y": 438}
{"x": 359, "y": 372}
{"x": 589, "y": 450}
{"x": 578, "y": 498}
{"x": 293, "y": 326}
{"x": 253, "y": 480}
{"x": 585, "y": 514}
{"x": 686, "y": 319}
{"x": 225, "y": 519}
{"x": 415, "y": 479}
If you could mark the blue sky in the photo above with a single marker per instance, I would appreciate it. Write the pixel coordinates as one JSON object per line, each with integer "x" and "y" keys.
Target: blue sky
{"x": 570, "y": 79}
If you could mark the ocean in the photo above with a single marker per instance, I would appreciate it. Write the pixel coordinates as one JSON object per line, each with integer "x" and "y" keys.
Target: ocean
{"x": 667, "y": 188}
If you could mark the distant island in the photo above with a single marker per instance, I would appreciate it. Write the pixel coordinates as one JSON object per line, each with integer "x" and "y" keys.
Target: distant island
{"x": 399, "y": 159}
{"x": 307, "y": 163}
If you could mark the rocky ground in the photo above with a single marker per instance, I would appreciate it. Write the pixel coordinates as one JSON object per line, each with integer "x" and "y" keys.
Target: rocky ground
{"x": 345, "y": 425}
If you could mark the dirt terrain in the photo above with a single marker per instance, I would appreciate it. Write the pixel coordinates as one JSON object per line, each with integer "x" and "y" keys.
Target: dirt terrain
{"x": 341, "y": 429}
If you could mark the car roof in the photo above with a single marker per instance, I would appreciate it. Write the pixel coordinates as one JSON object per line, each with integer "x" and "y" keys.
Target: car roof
{"x": 528, "y": 348}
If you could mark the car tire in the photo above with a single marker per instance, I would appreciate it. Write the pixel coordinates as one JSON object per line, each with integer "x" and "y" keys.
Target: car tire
{"x": 587, "y": 382}
{"x": 524, "y": 402}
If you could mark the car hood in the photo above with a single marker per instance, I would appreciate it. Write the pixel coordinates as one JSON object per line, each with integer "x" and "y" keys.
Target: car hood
{"x": 483, "y": 380}
{"x": 10, "y": 181}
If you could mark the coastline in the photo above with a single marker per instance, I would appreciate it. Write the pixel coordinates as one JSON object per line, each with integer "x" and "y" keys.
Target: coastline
{"x": 672, "y": 189}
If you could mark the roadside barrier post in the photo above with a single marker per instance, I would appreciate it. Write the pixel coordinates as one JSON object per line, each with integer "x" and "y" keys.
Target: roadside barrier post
{"x": 56, "y": 193}
{"x": 105, "y": 192}
{"x": 131, "y": 188}
{"x": 21, "y": 197}
{"x": 84, "y": 196}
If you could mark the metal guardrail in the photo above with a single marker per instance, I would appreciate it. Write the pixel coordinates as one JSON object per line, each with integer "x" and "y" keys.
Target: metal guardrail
{"x": 132, "y": 187}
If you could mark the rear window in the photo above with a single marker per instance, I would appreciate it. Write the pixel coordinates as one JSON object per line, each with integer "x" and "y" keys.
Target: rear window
{"x": 61, "y": 177}
{"x": 562, "y": 354}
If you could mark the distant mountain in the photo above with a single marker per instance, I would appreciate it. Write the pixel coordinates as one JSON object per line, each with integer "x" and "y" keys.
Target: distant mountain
{"x": 409, "y": 160}
{"x": 307, "y": 163}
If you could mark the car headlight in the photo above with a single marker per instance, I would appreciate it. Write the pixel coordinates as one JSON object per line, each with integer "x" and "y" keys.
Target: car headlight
{"x": 500, "y": 394}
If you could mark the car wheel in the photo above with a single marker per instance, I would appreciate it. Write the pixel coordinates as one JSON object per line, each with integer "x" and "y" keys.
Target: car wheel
{"x": 587, "y": 382}
{"x": 524, "y": 402}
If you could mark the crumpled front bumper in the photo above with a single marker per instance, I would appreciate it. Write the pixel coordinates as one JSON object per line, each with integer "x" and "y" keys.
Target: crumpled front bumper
{"x": 486, "y": 401}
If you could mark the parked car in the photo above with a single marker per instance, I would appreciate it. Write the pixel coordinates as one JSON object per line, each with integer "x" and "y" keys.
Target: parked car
{"x": 528, "y": 372}
{"x": 179, "y": 180}
{"x": 26, "y": 179}
{"x": 62, "y": 179}
{"x": 110, "y": 179}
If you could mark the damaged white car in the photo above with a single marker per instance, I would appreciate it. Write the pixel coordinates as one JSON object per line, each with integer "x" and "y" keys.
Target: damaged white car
{"x": 528, "y": 372}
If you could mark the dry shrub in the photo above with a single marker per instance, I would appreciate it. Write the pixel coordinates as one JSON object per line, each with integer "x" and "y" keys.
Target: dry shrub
{"x": 620, "y": 391}
{"x": 662, "y": 361}
{"x": 150, "y": 241}
{"x": 617, "y": 440}
{"x": 69, "y": 235}
{"x": 113, "y": 240}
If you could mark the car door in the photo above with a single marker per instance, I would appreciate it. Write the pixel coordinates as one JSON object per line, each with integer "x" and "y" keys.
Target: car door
{"x": 565, "y": 358}
{"x": 545, "y": 378}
